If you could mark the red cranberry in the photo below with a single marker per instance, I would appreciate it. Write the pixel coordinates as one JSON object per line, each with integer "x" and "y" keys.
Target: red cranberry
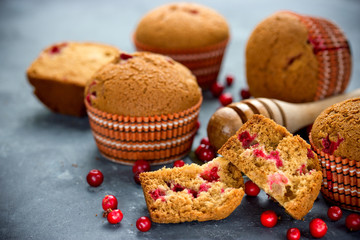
{"x": 318, "y": 228}
{"x": 141, "y": 166}
{"x": 137, "y": 177}
{"x": 115, "y": 216}
{"x": 229, "y": 80}
{"x": 334, "y": 213}
{"x": 199, "y": 148}
{"x": 143, "y": 224}
{"x": 95, "y": 178}
{"x": 179, "y": 163}
{"x": 125, "y": 56}
{"x": 109, "y": 202}
{"x": 251, "y": 189}
{"x": 293, "y": 234}
{"x": 216, "y": 89}
{"x": 352, "y": 222}
{"x": 245, "y": 93}
{"x": 205, "y": 141}
{"x": 268, "y": 218}
{"x": 225, "y": 99}
{"x": 210, "y": 175}
{"x": 206, "y": 154}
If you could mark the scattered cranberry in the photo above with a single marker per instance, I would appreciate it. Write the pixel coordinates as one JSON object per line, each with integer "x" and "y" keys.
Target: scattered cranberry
{"x": 141, "y": 166}
{"x": 179, "y": 163}
{"x": 115, "y": 216}
{"x": 268, "y": 218}
{"x": 200, "y": 147}
{"x": 95, "y": 178}
{"x": 229, "y": 80}
{"x": 216, "y": 89}
{"x": 225, "y": 99}
{"x": 143, "y": 224}
{"x": 245, "y": 93}
{"x": 293, "y": 234}
{"x": 137, "y": 177}
{"x": 334, "y": 213}
{"x": 352, "y": 222}
{"x": 109, "y": 202}
{"x": 206, "y": 154}
{"x": 205, "y": 141}
{"x": 125, "y": 56}
{"x": 251, "y": 189}
{"x": 318, "y": 228}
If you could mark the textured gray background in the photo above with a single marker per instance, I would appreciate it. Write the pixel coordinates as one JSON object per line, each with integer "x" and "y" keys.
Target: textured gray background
{"x": 44, "y": 157}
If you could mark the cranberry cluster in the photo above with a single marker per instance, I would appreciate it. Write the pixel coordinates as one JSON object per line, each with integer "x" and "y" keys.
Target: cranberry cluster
{"x": 205, "y": 152}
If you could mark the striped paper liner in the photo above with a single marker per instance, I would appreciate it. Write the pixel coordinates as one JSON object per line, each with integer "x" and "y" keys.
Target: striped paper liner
{"x": 341, "y": 180}
{"x": 332, "y": 52}
{"x": 157, "y": 139}
{"x": 204, "y": 63}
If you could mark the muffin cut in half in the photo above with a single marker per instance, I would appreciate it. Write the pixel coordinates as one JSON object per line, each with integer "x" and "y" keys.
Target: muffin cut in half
{"x": 281, "y": 164}
{"x": 193, "y": 193}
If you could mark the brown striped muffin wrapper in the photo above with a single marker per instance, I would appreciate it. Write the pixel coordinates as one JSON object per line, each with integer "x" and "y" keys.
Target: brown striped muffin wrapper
{"x": 204, "y": 63}
{"x": 341, "y": 180}
{"x": 332, "y": 52}
{"x": 157, "y": 139}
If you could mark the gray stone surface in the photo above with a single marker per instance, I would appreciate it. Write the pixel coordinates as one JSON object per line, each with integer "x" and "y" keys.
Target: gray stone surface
{"x": 44, "y": 157}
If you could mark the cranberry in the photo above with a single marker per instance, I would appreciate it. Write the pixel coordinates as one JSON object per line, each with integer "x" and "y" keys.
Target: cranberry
{"x": 143, "y": 224}
{"x": 179, "y": 163}
{"x": 352, "y": 222}
{"x": 293, "y": 234}
{"x": 225, "y": 99}
{"x": 141, "y": 166}
{"x": 246, "y": 139}
{"x": 318, "y": 228}
{"x": 330, "y": 146}
{"x": 95, "y": 178}
{"x": 115, "y": 216}
{"x": 334, "y": 213}
{"x": 229, "y": 80}
{"x": 205, "y": 141}
{"x": 201, "y": 147}
{"x": 251, "y": 189}
{"x": 125, "y": 56}
{"x": 245, "y": 93}
{"x": 310, "y": 153}
{"x": 137, "y": 177}
{"x": 109, "y": 202}
{"x": 210, "y": 175}
{"x": 268, "y": 218}
{"x": 206, "y": 154}
{"x": 216, "y": 89}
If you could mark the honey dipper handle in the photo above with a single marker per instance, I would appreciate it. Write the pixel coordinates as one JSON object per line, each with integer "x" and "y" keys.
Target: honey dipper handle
{"x": 297, "y": 116}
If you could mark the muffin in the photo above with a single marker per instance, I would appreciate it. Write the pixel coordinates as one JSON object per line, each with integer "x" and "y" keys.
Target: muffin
{"x": 191, "y": 34}
{"x": 281, "y": 164}
{"x": 143, "y": 106}
{"x": 60, "y": 72}
{"x": 297, "y": 58}
{"x": 193, "y": 193}
{"x": 335, "y": 137}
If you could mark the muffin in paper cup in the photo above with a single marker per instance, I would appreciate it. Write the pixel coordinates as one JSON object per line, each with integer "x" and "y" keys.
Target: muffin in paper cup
{"x": 191, "y": 34}
{"x": 143, "y": 106}
{"x": 335, "y": 138}
{"x": 290, "y": 53}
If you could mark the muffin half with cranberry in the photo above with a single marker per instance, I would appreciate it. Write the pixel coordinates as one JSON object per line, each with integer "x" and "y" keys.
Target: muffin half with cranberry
{"x": 143, "y": 106}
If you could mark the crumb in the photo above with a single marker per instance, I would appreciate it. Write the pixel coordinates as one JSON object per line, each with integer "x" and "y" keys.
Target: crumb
{"x": 95, "y": 215}
{"x": 74, "y": 165}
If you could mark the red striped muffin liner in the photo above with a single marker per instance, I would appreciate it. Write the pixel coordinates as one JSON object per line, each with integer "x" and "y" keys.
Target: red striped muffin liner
{"x": 341, "y": 180}
{"x": 157, "y": 139}
{"x": 332, "y": 52}
{"x": 204, "y": 63}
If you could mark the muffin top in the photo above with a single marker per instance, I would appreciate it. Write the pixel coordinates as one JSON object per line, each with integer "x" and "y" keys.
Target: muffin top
{"x": 336, "y": 130}
{"x": 280, "y": 62}
{"x": 72, "y": 62}
{"x": 182, "y": 26}
{"x": 143, "y": 84}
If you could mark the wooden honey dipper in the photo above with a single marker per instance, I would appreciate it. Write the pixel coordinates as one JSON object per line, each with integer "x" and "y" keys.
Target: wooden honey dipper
{"x": 227, "y": 120}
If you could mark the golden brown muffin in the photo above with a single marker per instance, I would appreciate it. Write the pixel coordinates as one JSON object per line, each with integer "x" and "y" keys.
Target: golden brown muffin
{"x": 60, "y": 72}
{"x": 193, "y": 193}
{"x": 297, "y": 58}
{"x": 336, "y": 131}
{"x": 182, "y": 26}
{"x": 281, "y": 164}
{"x": 143, "y": 84}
